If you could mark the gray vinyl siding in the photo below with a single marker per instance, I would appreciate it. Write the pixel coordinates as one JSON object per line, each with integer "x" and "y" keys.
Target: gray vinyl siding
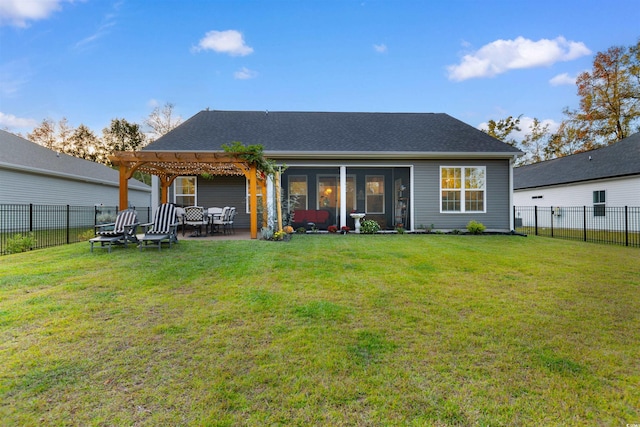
{"x": 427, "y": 195}
{"x": 29, "y": 188}
{"x": 221, "y": 191}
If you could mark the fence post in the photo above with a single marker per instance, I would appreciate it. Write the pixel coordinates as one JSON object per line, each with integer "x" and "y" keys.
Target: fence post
{"x": 68, "y": 225}
{"x": 626, "y": 225}
{"x": 584, "y": 223}
{"x": 30, "y": 217}
{"x": 551, "y": 221}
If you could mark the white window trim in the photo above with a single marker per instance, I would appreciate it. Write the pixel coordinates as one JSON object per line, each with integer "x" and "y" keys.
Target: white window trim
{"x": 306, "y": 181}
{"x": 195, "y": 190}
{"x": 462, "y": 189}
{"x": 366, "y": 195}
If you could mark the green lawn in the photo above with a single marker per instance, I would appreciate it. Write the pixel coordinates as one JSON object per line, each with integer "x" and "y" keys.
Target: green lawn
{"x": 323, "y": 330}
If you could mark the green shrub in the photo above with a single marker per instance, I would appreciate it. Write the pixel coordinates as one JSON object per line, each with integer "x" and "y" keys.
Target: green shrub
{"x": 475, "y": 227}
{"x": 369, "y": 226}
{"x": 87, "y": 235}
{"x": 19, "y": 243}
{"x": 301, "y": 230}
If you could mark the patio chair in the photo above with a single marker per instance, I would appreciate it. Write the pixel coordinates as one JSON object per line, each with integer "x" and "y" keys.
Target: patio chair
{"x": 232, "y": 215}
{"x": 214, "y": 213}
{"x": 180, "y": 218}
{"x": 119, "y": 232}
{"x": 196, "y": 217}
{"x": 163, "y": 228}
{"x": 221, "y": 220}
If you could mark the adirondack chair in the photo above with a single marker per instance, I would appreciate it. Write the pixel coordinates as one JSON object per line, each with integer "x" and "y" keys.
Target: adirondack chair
{"x": 119, "y": 232}
{"x": 163, "y": 228}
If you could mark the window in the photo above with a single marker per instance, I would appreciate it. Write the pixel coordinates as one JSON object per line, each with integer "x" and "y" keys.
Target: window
{"x": 298, "y": 192}
{"x": 185, "y": 190}
{"x": 462, "y": 189}
{"x": 599, "y": 199}
{"x": 374, "y": 202}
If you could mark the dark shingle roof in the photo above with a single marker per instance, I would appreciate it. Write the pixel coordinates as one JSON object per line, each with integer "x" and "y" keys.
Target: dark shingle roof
{"x": 619, "y": 159}
{"x": 21, "y": 154}
{"x": 337, "y": 133}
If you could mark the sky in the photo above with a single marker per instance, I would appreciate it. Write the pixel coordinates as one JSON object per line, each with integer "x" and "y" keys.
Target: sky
{"x": 92, "y": 61}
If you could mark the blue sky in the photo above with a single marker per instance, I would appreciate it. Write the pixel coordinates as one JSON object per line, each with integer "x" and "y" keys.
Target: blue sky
{"x": 94, "y": 60}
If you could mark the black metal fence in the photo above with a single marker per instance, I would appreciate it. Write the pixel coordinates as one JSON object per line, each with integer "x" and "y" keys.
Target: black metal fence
{"x": 41, "y": 226}
{"x": 599, "y": 224}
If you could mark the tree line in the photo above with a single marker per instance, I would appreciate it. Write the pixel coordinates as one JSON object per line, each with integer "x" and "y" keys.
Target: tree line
{"x": 120, "y": 135}
{"x": 608, "y": 111}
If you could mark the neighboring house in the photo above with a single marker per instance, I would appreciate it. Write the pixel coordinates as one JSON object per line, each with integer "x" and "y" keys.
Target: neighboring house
{"x": 608, "y": 176}
{"x": 410, "y": 169}
{"x": 32, "y": 174}
{"x": 589, "y": 189}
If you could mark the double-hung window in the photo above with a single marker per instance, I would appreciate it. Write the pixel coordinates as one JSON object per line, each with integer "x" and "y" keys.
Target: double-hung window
{"x": 185, "y": 190}
{"x": 374, "y": 202}
{"x": 298, "y": 192}
{"x": 462, "y": 188}
{"x": 599, "y": 203}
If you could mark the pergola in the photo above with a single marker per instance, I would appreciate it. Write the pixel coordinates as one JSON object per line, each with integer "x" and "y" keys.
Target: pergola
{"x": 167, "y": 166}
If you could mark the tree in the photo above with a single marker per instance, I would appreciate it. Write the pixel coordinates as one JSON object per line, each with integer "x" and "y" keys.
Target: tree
{"x": 44, "y": 135}
{"x": 123, "y": 136}
{"x": 161, "y": 121}
{"x": 534, "y": 143}
{"x": 84, "y": 144}
{"x": 503, "y": 128}
{"x": 609, "y": 97}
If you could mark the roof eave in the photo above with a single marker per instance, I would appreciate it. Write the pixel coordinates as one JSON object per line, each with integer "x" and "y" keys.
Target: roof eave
{"x": 351, "y": 155}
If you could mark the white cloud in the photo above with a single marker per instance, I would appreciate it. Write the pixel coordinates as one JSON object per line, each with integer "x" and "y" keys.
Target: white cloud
{"x": 230, "y": 42}
{"x": 380, "y": 48}
{"x": 19, "y": 12}
{"x": 501, "y": 56}
{"x": 12, "y": 122}
{"x": 562, "y": 79}
{"x": 244, "y": 74}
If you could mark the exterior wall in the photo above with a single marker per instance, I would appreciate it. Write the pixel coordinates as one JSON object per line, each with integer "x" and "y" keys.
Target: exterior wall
{"x": 224, "y": 191}
{"x": 427, "y": 196}
{"x": 619, "y": 192}
{"x": 25, "y": 188}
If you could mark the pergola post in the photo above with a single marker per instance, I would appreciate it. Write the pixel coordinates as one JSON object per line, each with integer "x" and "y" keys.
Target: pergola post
{"x": 253, "y": 200}
{"x": 124, "y": 188}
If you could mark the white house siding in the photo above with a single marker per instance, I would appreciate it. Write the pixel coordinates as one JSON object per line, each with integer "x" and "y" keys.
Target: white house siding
{"x": 427, "y": 195}
{"x": 564, "y": 204}
{"x": 619, "y": 192}
{"x": 25, "y": 188}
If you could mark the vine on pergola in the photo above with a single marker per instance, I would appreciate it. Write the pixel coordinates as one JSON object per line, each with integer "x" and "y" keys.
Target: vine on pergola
{"x": 253, "y": 154}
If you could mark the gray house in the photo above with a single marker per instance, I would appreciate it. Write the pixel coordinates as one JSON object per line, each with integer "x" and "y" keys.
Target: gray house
{"x": 32, "y": 174}
{"x": 401, "y": 169}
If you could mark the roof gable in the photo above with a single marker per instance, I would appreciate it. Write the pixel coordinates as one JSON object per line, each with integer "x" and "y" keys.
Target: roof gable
{"x": 619, "y": 159}
{"x": 339, "y": 133}
{"x": 21, "y": 154}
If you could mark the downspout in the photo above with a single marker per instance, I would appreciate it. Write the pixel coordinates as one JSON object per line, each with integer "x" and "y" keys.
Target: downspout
{"x": 510, "y": 210}
{"x": 411, "y": 199}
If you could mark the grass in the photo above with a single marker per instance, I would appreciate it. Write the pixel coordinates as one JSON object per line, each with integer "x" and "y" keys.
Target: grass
{"x": 323, "y": 330}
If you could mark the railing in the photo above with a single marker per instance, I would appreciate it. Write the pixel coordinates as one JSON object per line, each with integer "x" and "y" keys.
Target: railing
{"x": 599, "y": 224}
{"x": 53, "y": 225}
